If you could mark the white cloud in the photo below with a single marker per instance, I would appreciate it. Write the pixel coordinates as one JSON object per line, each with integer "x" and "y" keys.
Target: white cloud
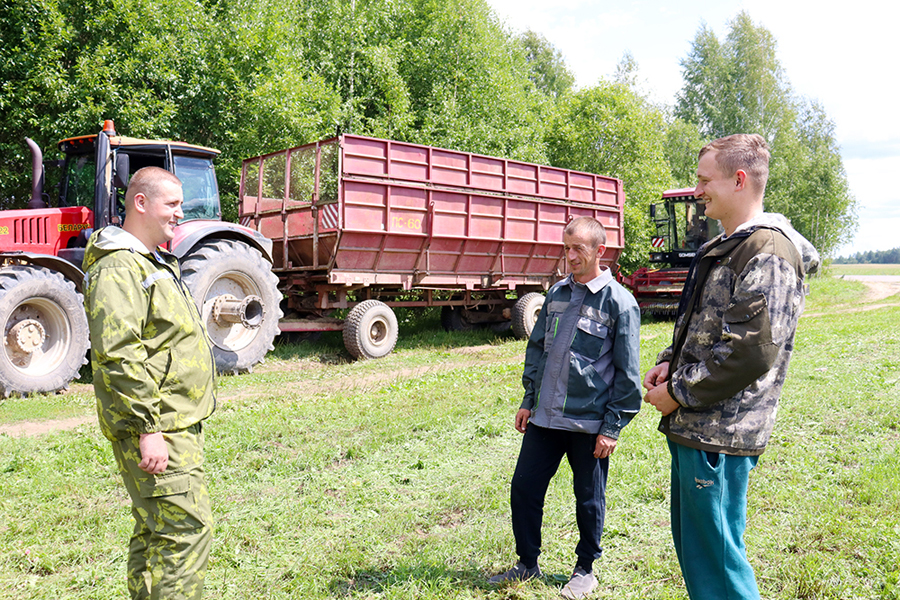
{"x": 879, "y": 204}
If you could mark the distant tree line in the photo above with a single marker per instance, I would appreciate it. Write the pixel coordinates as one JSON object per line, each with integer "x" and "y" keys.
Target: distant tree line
{"x": 871, "y": 257}
{"x": 254, "y": 76}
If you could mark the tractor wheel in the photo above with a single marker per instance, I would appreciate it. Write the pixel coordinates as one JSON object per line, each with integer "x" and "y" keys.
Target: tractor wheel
{"x": 525, "y": 313}
{"x": 218, "y": 270}
{"x": 45, "y": 330}
{"x": 370, "y": 330}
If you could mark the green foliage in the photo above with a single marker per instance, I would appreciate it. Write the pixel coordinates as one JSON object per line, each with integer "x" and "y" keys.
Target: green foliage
{"x": 470, "y": 83}
{"x": 739, "y": 86}
{"x": 548, "y": 68}
{"x": 610, "y": 129}
{"x": 889, "y": 257}
{"x": 683, "y": 143}
{"x": 254, "y": 76}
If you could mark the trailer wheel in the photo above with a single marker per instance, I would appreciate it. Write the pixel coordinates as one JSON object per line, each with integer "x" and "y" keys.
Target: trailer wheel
{"x": 219, "y": 270}
{"x": 453, "y": 319}
{"x": 370, "y": 330}
{"x": 45, "y": 330}
{"x": 525, "y": 313}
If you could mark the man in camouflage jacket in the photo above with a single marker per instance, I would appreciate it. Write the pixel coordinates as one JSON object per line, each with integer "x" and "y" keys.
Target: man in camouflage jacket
{"x": 154, "y": 382}
{"x": 718, "y": 384}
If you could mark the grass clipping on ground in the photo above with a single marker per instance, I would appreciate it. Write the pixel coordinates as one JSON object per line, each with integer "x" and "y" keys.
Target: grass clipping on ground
{"x": 390, "y": 479}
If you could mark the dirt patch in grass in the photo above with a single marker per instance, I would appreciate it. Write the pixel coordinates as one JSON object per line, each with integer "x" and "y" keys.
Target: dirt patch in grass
{"x": 467, "y": 357}
{"x": 879, "y": 287}
{"x": 30, "y": 428}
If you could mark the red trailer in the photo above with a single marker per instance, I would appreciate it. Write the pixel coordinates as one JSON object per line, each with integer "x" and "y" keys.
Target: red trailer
{"x": 368, "y": 224}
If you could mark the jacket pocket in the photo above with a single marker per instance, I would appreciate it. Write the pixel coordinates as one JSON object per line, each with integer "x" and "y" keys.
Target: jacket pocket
{"x": 748, "y": 322}
{"x": 590, "y": 338}
{"x": 590, "y": 359}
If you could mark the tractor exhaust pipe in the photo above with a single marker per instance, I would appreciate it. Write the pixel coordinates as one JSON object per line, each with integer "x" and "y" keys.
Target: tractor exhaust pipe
{"x": 37, "y": 176}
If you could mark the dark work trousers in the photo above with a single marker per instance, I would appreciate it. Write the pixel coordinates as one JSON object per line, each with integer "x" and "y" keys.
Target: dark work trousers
{"x": 542, "y": 451}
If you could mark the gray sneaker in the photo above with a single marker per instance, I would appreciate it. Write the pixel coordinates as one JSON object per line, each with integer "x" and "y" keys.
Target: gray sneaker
{"x": 580, "y": 585}
{"x": 518, "y": 573}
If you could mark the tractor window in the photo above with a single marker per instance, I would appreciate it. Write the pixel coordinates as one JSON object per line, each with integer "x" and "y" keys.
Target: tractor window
{"x": 79, "y": 180}
{"x": 692, "y": 228}
{"x": 201, "y": 193}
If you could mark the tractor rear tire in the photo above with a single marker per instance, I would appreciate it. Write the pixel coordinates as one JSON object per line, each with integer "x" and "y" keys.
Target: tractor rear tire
{"x": 370, "y": 330}
{"x": 229, "y": 267}
{"x": 525, "y": 313}
{"x": 45, "y": 330}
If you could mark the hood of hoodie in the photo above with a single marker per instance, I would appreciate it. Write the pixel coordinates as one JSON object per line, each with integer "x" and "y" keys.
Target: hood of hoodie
{"x": 778, "y": 221}
{"x": 110, "y": 239}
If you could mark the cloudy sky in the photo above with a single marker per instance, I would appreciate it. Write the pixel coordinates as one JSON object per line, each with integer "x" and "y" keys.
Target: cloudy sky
{"x": 843, "y": 56}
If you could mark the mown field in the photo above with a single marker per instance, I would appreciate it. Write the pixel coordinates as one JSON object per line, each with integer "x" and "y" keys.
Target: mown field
{"x": 390, "y": 479}
{"x": 864, "y": 270}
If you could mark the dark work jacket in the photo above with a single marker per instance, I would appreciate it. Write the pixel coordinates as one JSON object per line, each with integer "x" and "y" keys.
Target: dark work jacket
{"x": 734, "y": 335}
{"x": 582, "y": 362}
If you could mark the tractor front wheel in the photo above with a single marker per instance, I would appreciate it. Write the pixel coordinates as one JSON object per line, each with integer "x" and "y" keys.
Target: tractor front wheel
{"x": 45, "y": 331}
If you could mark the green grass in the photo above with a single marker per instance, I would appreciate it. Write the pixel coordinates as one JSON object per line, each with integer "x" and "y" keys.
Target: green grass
{"x": 838, "y": 270}
{"x": 389, "y": 479}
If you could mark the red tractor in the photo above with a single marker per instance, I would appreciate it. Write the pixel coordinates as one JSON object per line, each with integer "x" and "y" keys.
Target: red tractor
{"x": 226, "y": 266}
{"x": 681, "y": 228}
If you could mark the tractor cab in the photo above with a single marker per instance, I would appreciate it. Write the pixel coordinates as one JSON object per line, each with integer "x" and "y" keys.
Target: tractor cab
{"x": 120, "y": 157}
{"x": 96, "y": 171}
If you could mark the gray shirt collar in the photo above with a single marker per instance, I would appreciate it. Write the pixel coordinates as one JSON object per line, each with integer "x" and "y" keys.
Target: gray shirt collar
{"x": 594, "y": 285}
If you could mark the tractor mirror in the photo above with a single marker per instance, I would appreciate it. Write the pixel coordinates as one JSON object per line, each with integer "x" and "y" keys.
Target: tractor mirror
{"x": 120, "y": 179}
{"x": 652, "y": 211}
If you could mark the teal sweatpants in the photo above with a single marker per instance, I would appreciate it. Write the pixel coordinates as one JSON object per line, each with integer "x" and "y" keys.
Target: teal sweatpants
{"x": 709, "y": 515}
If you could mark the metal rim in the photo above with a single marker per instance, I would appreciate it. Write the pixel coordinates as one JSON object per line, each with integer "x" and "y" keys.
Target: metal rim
{"x": 53, "y": 350}
{"x": 378, "y": 331}
{"x": 233, "y": 336}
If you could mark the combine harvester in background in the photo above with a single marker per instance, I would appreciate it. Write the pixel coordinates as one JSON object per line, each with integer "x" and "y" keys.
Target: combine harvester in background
{"x": 681, "y": 228}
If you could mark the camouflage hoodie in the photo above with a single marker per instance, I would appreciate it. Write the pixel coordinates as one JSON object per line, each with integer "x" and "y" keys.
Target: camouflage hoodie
{"x": 734, "y": 335}
{"x": 153, "y": 366}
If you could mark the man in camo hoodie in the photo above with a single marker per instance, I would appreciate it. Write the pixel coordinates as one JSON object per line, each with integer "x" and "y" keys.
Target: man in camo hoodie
{"x": 154, "y": 382}
{"x": 718, "y": 384}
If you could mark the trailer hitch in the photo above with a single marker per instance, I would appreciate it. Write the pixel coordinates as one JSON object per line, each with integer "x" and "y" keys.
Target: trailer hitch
{"x": 248, "y": 311}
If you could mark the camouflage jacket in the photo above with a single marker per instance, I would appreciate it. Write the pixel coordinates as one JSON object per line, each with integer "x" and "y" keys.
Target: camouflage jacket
{"x": 582, "y": 362}
{"x": 153, "y": 365}
{"x": 734, "y": 335}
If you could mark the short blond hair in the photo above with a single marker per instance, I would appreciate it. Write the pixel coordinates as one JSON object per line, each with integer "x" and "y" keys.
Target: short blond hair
{"x": 746, "y": 152}
{"x": 147, "y": 181}
{"x": 589, "y": 225}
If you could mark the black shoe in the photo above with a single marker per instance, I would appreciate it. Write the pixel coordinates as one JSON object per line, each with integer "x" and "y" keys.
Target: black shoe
{"x": 518, "y": 573}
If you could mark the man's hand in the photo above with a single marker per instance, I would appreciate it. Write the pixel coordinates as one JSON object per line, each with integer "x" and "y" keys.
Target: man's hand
{"x": 522, "y": 419}
{"x": 154, "y": 454}
{"x": 660, "y": 398}
{"x": 605, "y": 447}
{"x": 656, "y": 376}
